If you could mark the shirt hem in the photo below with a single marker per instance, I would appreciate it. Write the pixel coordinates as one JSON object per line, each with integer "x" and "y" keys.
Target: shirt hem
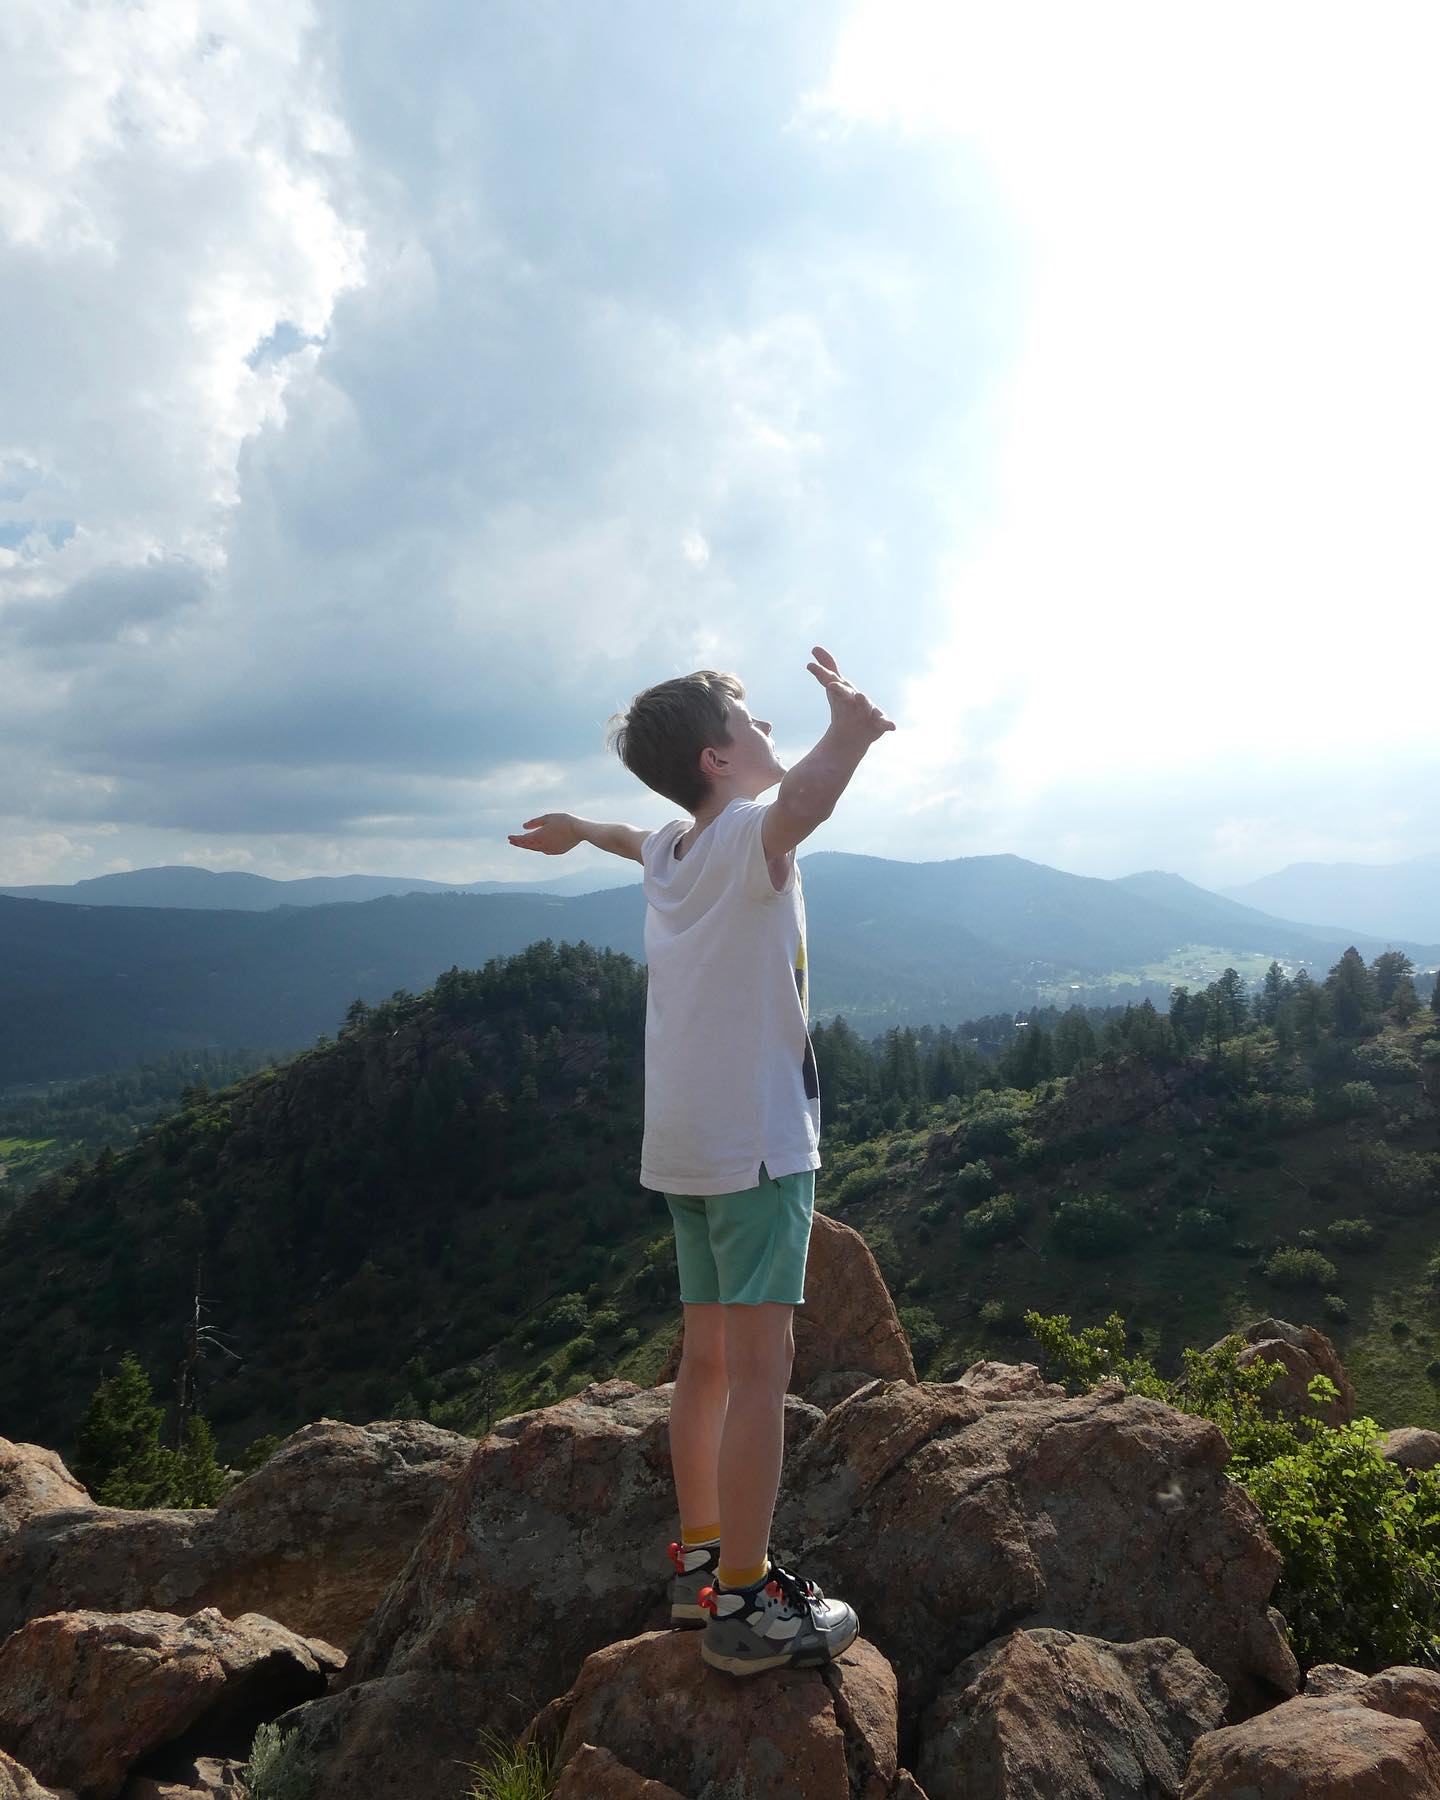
{"x": 735, "y": 1181}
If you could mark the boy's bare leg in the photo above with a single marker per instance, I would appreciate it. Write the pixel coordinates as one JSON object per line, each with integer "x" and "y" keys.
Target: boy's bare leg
{"x": 697, "y": 1416}
{"x": 759, "y": 1355}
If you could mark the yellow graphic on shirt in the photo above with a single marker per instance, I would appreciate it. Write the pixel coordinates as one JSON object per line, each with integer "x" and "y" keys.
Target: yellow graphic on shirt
{"x": 802, "y": 984}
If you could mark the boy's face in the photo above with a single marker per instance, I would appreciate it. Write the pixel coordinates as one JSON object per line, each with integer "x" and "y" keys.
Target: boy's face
{"x": 750, "y": 762}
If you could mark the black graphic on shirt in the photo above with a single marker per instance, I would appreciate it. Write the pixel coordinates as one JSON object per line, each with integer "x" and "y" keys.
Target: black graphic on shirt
{"x": 802, "y": 983}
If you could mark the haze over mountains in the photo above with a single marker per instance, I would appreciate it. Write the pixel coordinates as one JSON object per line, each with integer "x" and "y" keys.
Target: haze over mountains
{"x": 88, "y": 988}
{"x": 1401, "y": 898}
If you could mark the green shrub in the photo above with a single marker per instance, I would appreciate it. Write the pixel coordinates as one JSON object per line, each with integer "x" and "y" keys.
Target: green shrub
{"x": 924, "y": 1332}
{"x": 1385, "y": 1063}
{"x": 1006, "y": 1318}
{"x": 858, "y": 1185}
{"x": 579, "y": 1350}
{"x": 1092, "y": 1225}
{"x": 975, "y": 1181}
{"x": 1350, "y": 1100}
{"x": 629, "y": 1337}
{"x": 605, "y": 1321}
{"x": 1204, "y": 1230}
{"x": 1351, "y": 1234}
{"x": 1358, "y": 1536}
{"x": 1300, "y": 1269}
{"x": 568, "y": 1315}
{"x": 1334, "y": 1307}
{"x": 278, "y": 1769}
{"x": 993, "y": 1221}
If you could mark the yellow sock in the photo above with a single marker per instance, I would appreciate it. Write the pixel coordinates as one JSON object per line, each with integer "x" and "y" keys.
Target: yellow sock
{"x": 738, "y": 1578}
{"x": 704, "y": 1534}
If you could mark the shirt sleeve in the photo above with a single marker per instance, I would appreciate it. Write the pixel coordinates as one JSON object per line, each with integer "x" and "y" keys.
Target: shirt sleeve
{"x": 747, "y": 846}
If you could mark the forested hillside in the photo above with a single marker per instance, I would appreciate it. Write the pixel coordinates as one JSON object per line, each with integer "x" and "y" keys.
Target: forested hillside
{"x": 438, "y": 1213}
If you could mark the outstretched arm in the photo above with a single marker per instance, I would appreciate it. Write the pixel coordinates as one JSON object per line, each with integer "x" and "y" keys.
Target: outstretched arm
{"x": 555, "y": 833}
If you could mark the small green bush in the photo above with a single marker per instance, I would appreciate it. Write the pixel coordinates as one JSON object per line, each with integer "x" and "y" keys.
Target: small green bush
{"x": 975, "y": 1181}
{"x": 1203, "y": 1230}
{"x": 278, "y": 1768}
{"x": 1385, "y": 1063}
{"x": 1334, "y": 1307}
{"x": 1092, "y": 1225}
{"x": 512, "y": 1771}
{"x": 1290, "y": 1268}
{"x": 568, "y": 1315}
{"x": 1351, "y": 1234}
{"x": 924, "y": 1332}
{"x": 993, "y": 1221}
{"x": 1004, "y": 1317}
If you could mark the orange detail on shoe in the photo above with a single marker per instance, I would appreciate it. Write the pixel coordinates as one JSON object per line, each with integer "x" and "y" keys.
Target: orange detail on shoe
{"x": 707, "y": 1599}
{"x": 773, "y": 1589}
{"x": 677, "y": 1557}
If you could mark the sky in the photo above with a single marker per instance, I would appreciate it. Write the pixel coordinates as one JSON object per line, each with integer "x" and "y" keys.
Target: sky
{"x": 387, "y": 395}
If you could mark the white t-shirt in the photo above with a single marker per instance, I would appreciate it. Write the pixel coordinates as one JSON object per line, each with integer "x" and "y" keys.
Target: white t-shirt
{"x": 730, "y": 1078}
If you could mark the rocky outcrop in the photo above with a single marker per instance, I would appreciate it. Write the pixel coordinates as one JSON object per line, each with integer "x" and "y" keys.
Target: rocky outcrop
{"x": 17, "y": 1783}
{"x": 1375, "y": 1739}
{"x": 84, "y": 1696}
{"x": 1304, "y": 1353}
{"x": 1045, "y": 1712}
{"x": 1408, "y": 1447}
{"x": 857, "y": 1328}
{"x": 551, "y": 1546}
{"x": 945, "y": 1515}
{"x": 34, "y": 1481}
{"x": 312, "y": 1538}
{"x": 664, "y": 1715}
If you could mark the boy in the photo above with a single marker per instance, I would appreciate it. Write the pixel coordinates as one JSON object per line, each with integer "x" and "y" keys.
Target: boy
{"x": 732, "y": 1122}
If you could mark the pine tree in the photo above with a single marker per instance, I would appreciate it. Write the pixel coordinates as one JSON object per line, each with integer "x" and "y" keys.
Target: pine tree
{"x": 198, "y": 1479}
{"x": 119, "y": 1456}
{"x": 1389, "y": 971}
{"x": 1435, "y": 995}
{"x": 1273, "y": 995}
{"x": 1351, "y": 989}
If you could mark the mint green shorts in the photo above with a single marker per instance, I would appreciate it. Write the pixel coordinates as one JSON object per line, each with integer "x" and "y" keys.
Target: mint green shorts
{"x": 746, "y": 1248}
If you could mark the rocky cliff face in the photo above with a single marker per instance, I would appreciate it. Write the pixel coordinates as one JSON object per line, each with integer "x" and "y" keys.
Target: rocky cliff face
{"x": 1058, "y": 1597}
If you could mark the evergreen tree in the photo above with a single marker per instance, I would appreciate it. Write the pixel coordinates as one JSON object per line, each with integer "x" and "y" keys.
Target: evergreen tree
{"x": 1273, "y": 995}
{"x": 1230, "y": 997}
{"x": 1073, "y": 1042}
{"x": 1029, "y": 1058}
{"x": 1435, "y": 995}
{"x": 197, "y": 1479}
{"x": 119, "y": 1456}
{"x": 1308, "y": 1006}
{"x": 1351, "y": 990}
{"x": 1389, "y": 971}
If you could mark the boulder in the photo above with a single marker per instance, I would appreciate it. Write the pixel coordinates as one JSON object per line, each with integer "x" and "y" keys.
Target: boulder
{"x": 312, "y": 1538}
{"x": 85, "y": 1697}
{"x": 1410, "y": 1447}
{"x": 17, "y": 1783}
{"x": 205, "y": 1778}
{"x": 1304, "y": 1352}
{"x": 848, "y": 1320}
{"x": 33, "y": 1480}
{"x": 1375, "y": 1740}
{"x": 794, "y": 1734}
{"x": 945, "y": 1517}
{"x": 1042, "y": 1712}
{"x": 596, "y": 1774}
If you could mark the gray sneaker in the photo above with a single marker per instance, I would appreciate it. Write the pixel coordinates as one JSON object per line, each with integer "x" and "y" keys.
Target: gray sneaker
{"x": 780, "y": 1623}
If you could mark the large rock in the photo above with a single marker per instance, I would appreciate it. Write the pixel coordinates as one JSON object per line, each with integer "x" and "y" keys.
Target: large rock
{"x": 17, "y": 1783}
{"x": 1041, "y": 1713}
{"x": 1377, "y": 1739}
{"x": 848, "y": 1320}
{"x": 85, "y": 1696}
{"x": 946, "y": 1516}
{"x": 1410, "y": 1447}
{"x": 312, "y": 1538}
{"x": 552, "y": 1544}
{"x": 1303, "y": 1353}
{"x": 203, "y": 1778}
{"x": 596, "y": 1774}
{"x": 33, "y": 1480}
{"x": 794, "y": 1734}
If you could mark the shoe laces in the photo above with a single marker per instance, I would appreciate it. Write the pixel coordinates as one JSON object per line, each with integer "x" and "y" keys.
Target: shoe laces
{"x": 796, "y": 1592}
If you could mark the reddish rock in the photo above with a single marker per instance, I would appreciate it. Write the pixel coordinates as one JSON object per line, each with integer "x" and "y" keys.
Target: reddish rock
{"x": 33, "y": 1480}
{"x": 946, "y": 1517}
{"x": 852, "y": 1323}
{"x": 84, "y": 1696}
{"x": 596, "y": 1774}
{"x": 793, "y": 1734}
{"x": 1041, "y": 1713}
{"x": 1304, "y": 1352}
{"x": 207, "y": 1778}
{"x": 1376, "y": 1741}
{"x": 311, "y": 1539}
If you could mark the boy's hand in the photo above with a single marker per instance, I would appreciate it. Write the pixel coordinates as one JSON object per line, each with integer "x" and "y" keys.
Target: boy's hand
{"x": 851, "y": 712}
{"x": 552, "y": 834}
